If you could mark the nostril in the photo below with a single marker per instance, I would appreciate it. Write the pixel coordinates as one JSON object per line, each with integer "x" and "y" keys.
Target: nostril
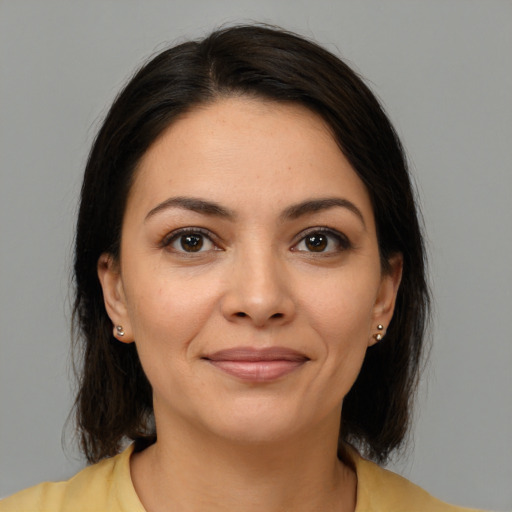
{"x": 241, "y": 314}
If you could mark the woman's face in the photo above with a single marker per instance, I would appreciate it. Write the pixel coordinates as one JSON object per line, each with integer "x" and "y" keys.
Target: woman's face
{"x": 249, "y": 275}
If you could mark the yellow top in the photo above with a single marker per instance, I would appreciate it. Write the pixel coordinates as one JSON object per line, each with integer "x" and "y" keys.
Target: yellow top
{"x": 107, "y": 487}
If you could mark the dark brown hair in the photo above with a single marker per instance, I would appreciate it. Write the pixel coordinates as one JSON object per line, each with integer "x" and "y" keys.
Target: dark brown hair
{"x": 114, "y": 401}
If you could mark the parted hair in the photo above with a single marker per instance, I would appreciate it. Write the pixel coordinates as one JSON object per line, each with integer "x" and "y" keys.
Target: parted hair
{"x": 114, "y": 399}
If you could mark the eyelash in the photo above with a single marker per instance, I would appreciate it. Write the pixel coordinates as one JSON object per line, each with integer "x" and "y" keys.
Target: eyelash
{"x": 176, "y": 235}
{"x": 342, "y": 242}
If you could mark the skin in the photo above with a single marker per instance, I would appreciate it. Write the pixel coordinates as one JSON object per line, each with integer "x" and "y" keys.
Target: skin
{"x": 258, "y": 281}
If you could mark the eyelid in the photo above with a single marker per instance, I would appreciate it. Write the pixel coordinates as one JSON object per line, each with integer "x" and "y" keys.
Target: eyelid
{"x": 171, "y": 237}
{"x": 340, "y": 237}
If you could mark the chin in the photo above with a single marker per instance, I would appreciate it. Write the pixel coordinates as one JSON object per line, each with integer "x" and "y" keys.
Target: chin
{"x": 258, "y": 423}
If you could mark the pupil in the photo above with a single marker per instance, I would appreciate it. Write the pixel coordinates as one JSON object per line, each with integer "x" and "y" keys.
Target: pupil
{"x": 192, "y": 243}
{"x": 316, "y": 243}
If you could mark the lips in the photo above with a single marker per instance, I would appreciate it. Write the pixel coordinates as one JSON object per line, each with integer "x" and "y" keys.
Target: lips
{"x": 257, "y": 365}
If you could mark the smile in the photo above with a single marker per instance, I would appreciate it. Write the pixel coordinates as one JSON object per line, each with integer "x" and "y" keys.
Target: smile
{"x": 257, "y": 365}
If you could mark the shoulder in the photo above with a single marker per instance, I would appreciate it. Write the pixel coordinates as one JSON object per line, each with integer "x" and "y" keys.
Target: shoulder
{"x": 380, "y": 490}
{"x": 103, "y": 486}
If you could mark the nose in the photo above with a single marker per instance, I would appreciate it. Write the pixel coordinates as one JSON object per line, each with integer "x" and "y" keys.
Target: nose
{"x": 258, "y": 292}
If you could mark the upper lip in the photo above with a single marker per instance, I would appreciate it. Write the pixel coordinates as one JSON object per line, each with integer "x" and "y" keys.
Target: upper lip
{"x": 251, "y": 354}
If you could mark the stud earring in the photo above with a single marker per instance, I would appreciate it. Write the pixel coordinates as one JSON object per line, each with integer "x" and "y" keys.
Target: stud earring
{"x": 378, "y": 336}
{"x": 119, "y": 330}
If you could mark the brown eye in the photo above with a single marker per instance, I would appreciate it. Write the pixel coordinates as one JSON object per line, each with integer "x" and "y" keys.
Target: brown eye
{"x": 191, "y": 243}
{"x": 324, "y": 241}
{"x": 317, "y": 242}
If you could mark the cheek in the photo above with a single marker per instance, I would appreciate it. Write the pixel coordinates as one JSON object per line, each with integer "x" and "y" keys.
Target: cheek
{"x": 342, "y": 309}
{"x": 168, "y": 315}
{"x": 168, "y": 309}
{"x": 342, "y": 316}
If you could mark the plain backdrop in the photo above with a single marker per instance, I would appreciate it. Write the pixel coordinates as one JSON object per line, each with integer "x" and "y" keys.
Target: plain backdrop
{"x": 443, "y": 69}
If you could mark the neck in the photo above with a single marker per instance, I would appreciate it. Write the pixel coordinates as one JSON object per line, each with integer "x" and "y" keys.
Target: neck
{"x": 190, "y": 471}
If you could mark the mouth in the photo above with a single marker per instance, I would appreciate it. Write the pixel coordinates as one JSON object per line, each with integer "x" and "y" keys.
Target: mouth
{"x": 257, "y": 365}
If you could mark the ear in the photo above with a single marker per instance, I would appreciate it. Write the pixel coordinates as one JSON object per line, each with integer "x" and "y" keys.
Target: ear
{"x": 113, "y": 294}
{"x": 386, "y": 297}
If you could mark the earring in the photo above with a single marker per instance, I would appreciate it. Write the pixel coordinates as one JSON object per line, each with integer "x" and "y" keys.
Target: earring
{"x": 119, "y": 330}
{"x": 378, "y": 336}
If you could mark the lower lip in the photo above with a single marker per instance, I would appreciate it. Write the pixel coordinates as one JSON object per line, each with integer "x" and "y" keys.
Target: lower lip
{"x": 257, "y": 371}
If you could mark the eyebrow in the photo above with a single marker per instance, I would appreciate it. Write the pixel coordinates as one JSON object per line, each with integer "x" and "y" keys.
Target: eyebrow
{"x": 316, "y": 205}
{"x": 295, "y": 211}
{"x": 194, "y": 204}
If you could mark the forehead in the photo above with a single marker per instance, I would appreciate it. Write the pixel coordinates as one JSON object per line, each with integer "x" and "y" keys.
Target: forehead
{"x": 240, "y": 150}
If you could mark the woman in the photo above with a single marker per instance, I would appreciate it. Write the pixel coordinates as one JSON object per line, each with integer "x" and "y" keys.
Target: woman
{"x": 250, "y": 289}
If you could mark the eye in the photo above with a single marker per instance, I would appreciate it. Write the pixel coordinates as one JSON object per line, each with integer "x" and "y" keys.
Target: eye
{"x": 189, "y": 241}
{"x": 322, "y": 241}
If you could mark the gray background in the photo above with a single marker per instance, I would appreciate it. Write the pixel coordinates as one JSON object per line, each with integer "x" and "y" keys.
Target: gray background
{"x": 444, "y": 72}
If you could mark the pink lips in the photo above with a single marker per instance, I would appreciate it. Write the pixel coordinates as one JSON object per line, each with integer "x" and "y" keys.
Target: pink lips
{"x": 257, "y": 365}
